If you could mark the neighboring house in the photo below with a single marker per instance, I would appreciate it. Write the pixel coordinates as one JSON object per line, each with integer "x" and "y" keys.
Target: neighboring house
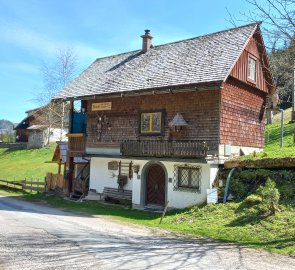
{"x": 38, "y": 136}
{"x": 34, "y": 129}
{"x": 160, "y": 121}
{"x": 21, "y": 131}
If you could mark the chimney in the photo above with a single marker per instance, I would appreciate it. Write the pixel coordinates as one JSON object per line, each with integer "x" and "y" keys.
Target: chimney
{"x": 146, "y": 41}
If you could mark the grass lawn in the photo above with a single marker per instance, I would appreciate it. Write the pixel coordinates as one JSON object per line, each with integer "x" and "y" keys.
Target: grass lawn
{"x": 272, "y": 142}
{"x": 20, "y": 164}
{"x": 230, "y": 222}
{"x": 272, "y": 147}
{"x": 287, "y": 116}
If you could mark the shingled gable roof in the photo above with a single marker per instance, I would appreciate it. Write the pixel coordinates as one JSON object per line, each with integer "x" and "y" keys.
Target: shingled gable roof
{"x": 194, "y": 61}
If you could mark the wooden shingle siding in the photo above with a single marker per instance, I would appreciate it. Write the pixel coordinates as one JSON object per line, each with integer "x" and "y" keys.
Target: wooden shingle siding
{"x": 199, "y": 108}
{"x": 240, "y": 70}
{"x": 242, "y": 118}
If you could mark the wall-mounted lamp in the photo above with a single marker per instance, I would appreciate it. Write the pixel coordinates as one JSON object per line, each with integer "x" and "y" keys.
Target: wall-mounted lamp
{"x": 178, "y": 122}
{"x": 136, "y": 168}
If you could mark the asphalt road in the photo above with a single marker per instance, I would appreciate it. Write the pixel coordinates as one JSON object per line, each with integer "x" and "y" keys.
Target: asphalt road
{"x": 39, "y": 237}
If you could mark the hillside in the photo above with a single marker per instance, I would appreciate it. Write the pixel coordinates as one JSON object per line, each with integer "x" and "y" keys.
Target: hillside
{"x": 272, "y": 138}
{"x": 287, "y": 116}
{"x": 21, "y": 164}
{"x": 6, "y": 124}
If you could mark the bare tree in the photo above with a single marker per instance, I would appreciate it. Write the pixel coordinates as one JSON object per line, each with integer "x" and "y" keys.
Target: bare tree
{"x": 278, "y": 27}
{"x": 277, "y": 17}
{"x": 56, "y": 75}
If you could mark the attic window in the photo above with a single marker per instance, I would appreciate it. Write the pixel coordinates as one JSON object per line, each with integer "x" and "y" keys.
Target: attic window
{"x": 251, "y": 69}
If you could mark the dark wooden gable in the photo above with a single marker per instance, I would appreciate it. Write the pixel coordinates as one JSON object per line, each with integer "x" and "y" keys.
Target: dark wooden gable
{"x": 255, "y": 48}
{"x": 57, "y": 154}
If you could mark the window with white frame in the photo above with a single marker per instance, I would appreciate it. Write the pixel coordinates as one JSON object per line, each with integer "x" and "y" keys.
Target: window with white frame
{"x": 251, "y": 69}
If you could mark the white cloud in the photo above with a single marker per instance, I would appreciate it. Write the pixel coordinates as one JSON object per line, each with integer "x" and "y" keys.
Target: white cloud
{"x": 19, "y": 66}
{"x": 18, "y": 35}
{"x": 87, "y": 54}
{"x": 45, "y": 45}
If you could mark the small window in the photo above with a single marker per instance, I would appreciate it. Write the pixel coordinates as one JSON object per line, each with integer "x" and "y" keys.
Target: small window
{"x": 251, "y": 69}
{"x": 187, "y": 178}
{"x": 151, "y": 122}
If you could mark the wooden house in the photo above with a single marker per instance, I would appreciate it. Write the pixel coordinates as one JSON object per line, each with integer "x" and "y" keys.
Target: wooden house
{"x": 158, "y": 122}
{"x": 34, "y": 128}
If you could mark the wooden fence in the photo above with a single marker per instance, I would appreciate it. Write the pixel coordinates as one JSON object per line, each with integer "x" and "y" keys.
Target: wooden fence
{"x": 27, "y": 185}
{"x": 55, "y": 182}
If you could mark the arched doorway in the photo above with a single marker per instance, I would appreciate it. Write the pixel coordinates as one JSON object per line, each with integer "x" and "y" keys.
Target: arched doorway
{"x": 155, "y": 185}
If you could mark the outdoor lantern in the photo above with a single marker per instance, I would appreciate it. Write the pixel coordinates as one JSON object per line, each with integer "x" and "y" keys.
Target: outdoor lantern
{"x": 136, "y": 168}
{"x": 178, "y": 122}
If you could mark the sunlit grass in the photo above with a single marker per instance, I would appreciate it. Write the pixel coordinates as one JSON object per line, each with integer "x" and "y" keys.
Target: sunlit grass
{"x": 17, "y": 164}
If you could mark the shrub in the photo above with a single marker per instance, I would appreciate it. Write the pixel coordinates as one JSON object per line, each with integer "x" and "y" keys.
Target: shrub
{"x": 287, "y": 190}
{"x": 270, "y": 195}
{"x": 238, "y": 189}
{"x": 253, "y": 199}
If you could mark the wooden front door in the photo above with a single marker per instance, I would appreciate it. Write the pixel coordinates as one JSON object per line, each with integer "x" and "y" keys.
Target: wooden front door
{"x": 155, "y": 185}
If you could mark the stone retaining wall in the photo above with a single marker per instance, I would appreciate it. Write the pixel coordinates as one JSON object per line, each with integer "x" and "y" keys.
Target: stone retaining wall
{"x": 17, "y": 145}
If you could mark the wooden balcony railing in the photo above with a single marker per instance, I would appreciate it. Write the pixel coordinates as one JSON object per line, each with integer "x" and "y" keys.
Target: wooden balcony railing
{"x": 180, "y": 149}
{"x": 76, "y": 144}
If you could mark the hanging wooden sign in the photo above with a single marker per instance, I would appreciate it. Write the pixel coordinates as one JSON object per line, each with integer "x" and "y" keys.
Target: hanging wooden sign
{"x": 113, "y": 165}
{"x": 101, "y": 106}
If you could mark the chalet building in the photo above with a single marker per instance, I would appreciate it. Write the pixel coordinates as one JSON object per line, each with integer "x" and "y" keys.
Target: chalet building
{"x": 34, "y": 128}
{"x": 158, "y": 122}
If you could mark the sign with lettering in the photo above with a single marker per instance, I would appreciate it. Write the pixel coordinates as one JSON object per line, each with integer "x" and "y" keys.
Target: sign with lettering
{"x": 102, "y": 106}
{"x": 113, "y": 165}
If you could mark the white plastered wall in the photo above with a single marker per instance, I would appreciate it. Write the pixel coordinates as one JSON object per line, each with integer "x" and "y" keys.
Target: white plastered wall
{"x": 57, "y": 135}
{"x": 101, "y": 177}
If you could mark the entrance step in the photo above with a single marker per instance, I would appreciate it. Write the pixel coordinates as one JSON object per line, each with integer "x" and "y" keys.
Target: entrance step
{"x": 154, "y": 208}
{"x": 76, "y": 195}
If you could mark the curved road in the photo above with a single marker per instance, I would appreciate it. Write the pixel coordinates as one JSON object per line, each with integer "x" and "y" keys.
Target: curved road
{"x": 39, "y": 237}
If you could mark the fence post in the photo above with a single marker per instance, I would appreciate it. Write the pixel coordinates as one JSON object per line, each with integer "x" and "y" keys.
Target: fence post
{"x": 50, "y": 181}
{"x": 24, "y": 184}
{"x": 32, "y": 184}
{"x": 38, "y": 185}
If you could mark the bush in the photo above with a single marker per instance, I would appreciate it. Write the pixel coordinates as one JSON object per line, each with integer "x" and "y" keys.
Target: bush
{"x": 247, "y": 181}
{"x": 270, "y": 195}
{"x": 287, "y": 190}
{"x": 253, "y": 199}
{"x": 238, "y": 189}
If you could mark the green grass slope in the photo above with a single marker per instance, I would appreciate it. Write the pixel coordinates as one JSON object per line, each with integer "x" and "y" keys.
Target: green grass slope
{"x": 287, "y": 116}
{"x": 272, "y": 140}
{"x": 20, "y": 164}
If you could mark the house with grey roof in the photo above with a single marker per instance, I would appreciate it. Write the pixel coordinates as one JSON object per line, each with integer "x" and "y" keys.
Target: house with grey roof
{"x": 36, "y": 130}
{"x": 158, "y": 122}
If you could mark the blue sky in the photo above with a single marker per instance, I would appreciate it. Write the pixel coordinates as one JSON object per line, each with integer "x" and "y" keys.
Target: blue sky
{"x": 31, "y": 31}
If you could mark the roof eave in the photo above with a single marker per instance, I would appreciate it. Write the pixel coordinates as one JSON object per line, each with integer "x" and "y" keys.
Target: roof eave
{"x": 213, "y": 85}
